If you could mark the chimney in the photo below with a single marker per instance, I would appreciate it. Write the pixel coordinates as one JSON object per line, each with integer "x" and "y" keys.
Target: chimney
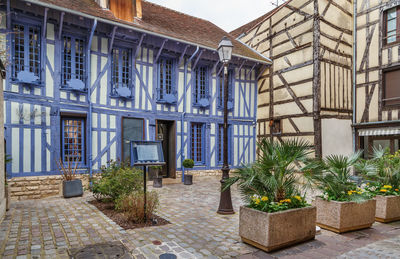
{"x": 126, "y": 9}
{"x": 103, "y": 3}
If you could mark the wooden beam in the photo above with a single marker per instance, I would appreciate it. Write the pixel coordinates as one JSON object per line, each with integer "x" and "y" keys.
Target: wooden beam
{"x": 197, "y": 59}
{"x": 160, "y": 50}
{"x": 139, "y": 45}
{"x": 61, "y": 24}
{"x": 183, "y": 55}
{"x": 251, "y": 70}
{"x": 112, "y": 39}
{"x": 241, "y": 65}
{"x": 215, "y": 67}
{"x": 45, "y": 23}
{"x": 292, "y": 93}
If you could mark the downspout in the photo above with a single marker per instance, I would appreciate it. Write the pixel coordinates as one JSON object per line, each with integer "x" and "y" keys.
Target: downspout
{"x": 184, "y": 113}
{"x": 89, "y": 83}
{"x": 354, "y": 70}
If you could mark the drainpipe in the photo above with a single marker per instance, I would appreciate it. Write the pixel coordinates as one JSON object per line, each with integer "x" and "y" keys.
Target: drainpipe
{"x": 90, "y": 99}
{"x": 354, "y": 70}
{"x": 183, "y": 113}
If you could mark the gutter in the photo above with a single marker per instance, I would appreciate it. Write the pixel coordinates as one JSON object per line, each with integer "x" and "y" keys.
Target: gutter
{"x": 184, "y": 113}
{"x": 66, "y": 10}
{"x": 354, "y": 71}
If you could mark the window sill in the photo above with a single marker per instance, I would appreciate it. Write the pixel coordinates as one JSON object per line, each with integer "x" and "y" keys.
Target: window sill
{"x": 165, "y": 102}
{"x": 69, "y": 89}
{"x": 16, "y": 81}
{"x": 390, "y": 45}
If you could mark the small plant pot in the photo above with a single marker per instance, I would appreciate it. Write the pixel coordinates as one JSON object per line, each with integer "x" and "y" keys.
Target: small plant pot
{"x": 387, "y": 208}
{"x": 157, "y": 182}
{"x": 343, "y": 217}
{"x": 72, "y": 188}
{"x": 272, "y": 231}
{"x": 188, "y": 179}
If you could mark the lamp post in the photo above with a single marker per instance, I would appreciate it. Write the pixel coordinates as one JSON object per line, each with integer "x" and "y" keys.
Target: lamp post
{"x": 225, "y": 202}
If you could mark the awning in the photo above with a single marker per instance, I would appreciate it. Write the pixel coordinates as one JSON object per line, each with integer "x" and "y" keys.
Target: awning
{"x": 379, "y": 131}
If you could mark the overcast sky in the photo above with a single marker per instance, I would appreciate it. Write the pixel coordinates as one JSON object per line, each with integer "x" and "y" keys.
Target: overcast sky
{"x": 227, "y": 14}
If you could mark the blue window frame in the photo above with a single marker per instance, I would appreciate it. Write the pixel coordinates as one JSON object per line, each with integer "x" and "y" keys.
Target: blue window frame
{"x": 220, "y": 143}
{"x": 26, "y": 49}
{"x": 73, "y": 139}
{"x": 166, "y": 76}
{"x": 73, "y": 64}
{"x": 121, "y": 69}
{"x": 197, "y": 144}
{"x": 200, "y": 90}
{"x": 220, "y": 83}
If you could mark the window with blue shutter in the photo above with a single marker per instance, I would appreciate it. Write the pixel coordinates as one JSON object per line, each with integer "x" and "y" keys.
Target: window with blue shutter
{"x": 121, "y": 71}
{"x": 26, "y": 50}
{"x": 197, "y": 143}
{"x": 166, "y": 86}
{"x": 73, "y": 139}
{"x": 73, "y": 65}
{"x": 201, "y": 91}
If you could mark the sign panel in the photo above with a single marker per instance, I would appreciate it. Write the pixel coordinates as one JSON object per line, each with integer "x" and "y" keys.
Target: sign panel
{"x": 146, "y": 153}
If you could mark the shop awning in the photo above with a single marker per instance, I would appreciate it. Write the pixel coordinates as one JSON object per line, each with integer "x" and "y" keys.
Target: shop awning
{"x": 379, "y": 131}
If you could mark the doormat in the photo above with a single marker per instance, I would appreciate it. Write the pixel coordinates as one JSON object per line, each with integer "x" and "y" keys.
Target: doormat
{"x": 108, "y": 250}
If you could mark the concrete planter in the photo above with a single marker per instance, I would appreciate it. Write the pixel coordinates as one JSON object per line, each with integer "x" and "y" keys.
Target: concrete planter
{"x": 272, "y": 231}
{"x": 387, "y": 208}
{"x": 342, "y": 217}
{"x": 72, "y": 188}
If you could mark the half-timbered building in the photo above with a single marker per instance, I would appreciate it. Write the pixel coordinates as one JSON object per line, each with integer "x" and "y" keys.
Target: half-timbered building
{"x": 85, "y": 77}
{"x": 307, "y": 91}
{"x": 377, "y": 75}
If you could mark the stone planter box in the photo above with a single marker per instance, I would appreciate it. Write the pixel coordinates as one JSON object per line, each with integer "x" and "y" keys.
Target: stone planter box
{"x": 342, "y": 217}
{"x": 272, "y": 231}
{"x": 72, "y": 188}
{"x": 387, "y": 208}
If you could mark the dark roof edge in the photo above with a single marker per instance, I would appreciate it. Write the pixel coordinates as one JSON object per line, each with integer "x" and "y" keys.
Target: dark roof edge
{"x": 56, "y": 7}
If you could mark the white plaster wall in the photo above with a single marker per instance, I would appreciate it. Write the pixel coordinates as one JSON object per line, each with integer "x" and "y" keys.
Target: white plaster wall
{"x": 2, "y": 175}
{"x": 337, "y": 137}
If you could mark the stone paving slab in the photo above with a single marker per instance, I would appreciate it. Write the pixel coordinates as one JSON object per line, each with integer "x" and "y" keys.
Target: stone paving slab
{"x": 47, "y": 228}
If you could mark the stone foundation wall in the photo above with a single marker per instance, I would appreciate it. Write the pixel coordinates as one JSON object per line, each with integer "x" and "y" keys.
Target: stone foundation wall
{"x": 37, "y": 187}
{"x": 199, "y": 173}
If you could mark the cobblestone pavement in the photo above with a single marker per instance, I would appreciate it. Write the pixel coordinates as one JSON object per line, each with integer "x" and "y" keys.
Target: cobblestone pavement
{"x": 47, "y": 228}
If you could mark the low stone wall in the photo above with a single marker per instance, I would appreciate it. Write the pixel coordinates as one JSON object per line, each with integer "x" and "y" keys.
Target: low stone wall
{"x": 38, "y": 187}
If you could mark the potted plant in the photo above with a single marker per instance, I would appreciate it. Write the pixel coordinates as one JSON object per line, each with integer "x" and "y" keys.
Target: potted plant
{"x": 72, "y": 187}
{"x": 276, "y": 214}
{"x": 383, "y": 173}
{"x": 157, "y": 179}
{"x": 188, "y": 178}
{"x": 343, "y": 206}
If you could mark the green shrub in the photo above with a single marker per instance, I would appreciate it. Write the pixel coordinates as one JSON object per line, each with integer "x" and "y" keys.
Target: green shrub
{"x": 188, "y": 163}
{"x": 270, "y": 184}
{"x": 132, "y": 205}
{"x": 116, "y": 180}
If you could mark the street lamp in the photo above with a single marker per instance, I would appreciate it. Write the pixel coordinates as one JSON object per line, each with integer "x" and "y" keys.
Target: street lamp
{"x": 225, "y": 202}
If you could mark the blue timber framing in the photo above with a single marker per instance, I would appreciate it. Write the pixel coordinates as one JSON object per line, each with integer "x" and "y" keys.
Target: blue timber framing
{"x": 33, "y": 114}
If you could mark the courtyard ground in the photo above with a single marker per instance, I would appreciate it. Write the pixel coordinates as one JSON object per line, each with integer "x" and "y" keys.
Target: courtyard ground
{"x": 47, "y": 228}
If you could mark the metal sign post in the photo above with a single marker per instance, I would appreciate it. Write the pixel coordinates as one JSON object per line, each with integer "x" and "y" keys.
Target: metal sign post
{"x": 146, "y": 153}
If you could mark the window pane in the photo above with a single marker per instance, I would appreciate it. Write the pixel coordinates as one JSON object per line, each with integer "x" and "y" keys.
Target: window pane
{"x": 391, "y": 25}
{"x": 73, "y": 138}
{"x": 392, "y": 13}
{"x": 132, "y": 129}
{"x": 19, "y": 52}
{"x": 391, "y": 87}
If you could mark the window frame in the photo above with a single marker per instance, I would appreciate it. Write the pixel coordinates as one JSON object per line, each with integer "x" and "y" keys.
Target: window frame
{"x": 73, "y": 37}
{"x": 195, "y": 144}
{"x": 173, "y": 90}
{"x": 26, "y": 58}
{"x": 384, "y": 99}
{"x": 220, "y": 92}
{"x": 130, "y": 84}
{"x": 273, "y": 124}
{"x": 385, "y": 27}
{"x": 83, "y": 133}
{"x": 196, "y": 77}
{"x": 220, "y": 144}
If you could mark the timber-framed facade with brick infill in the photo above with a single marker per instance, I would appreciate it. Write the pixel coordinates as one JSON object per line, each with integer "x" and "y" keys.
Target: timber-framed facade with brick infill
{"x": 307, "y": 91}
{"x": 85, "y": 77}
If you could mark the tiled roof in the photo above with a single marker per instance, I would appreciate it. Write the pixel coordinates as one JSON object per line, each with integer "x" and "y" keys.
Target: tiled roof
{"x": 249, "y": 26}
{"x": 164, "y": 21}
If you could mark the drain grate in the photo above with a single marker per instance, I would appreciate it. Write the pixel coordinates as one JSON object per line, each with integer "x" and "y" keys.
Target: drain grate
{"x": 109, "y": 250}
{"x": 167, "y": 256}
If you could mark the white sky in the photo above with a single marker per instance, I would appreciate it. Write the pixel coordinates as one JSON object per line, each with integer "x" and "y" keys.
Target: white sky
{"x": 227, "y": 14}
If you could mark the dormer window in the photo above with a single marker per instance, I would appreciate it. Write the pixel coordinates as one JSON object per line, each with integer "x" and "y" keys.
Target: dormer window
{"x": 392, "y": 25}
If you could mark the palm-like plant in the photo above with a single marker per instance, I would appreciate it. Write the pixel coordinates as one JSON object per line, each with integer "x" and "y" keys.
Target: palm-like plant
{"x": 384, "y": 168}
{"x": 273, "y": 174}
{"x": 333, "y": 176}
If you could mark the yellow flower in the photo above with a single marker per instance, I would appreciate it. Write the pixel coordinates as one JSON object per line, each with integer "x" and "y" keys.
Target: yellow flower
{"x": 264, "y": 198}
{"x": 359, "y": 192}
{"x": 367, "y": 183}
{"x": 297, "y": 197}
{"x": 349, "y": 192}
{"x": 383, "y": 190}
{"x": 387, "y": 187}
{"x": 257, "y": 201}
